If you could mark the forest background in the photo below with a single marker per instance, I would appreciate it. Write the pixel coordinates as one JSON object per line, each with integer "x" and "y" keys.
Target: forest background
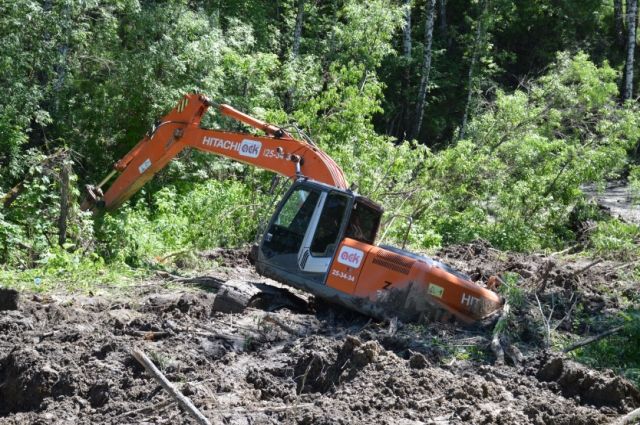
{"x": 476, "y": 118}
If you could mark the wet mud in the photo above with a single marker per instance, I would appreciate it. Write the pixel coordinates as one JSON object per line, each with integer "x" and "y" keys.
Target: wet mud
{"x": 66, "y": 358}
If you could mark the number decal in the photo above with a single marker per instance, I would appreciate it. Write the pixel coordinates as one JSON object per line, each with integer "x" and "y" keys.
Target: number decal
{"x": 343, "y": 275}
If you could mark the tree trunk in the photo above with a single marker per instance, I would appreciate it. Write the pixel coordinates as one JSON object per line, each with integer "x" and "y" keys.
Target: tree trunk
{"x": 295, "y": 50}
{"x": 405, "y": 114}
{"x": 618, "y": 18}
{"x": 406, "y": 30}
{"x": 632, "y": 11}
{"x": 477, "y": 47}
{"x": 64, "y": 201}
{"x": 297, "y": 32}
{"x": 443, "y": 21}
{"x": 426, "y": 67}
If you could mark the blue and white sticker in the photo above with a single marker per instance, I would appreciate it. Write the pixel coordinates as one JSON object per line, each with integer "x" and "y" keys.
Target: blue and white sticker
{"x": 143, "y": 167}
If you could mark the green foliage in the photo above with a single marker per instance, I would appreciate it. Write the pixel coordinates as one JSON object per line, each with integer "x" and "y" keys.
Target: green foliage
{"x": 617, "y": 240}
{"x": 513, "y": 182}
{"x": 511, "y": 290}
{"x": 202, "y": 216}
{"x": 92, "y": 76}
{"x": 29, "y": 228}
{"x": 60, "y": 269}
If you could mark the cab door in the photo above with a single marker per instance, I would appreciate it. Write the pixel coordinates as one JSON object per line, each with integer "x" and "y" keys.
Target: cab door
{"x": 283, "y": 240}
{"x": 325, "y": 228}
{"x": 304, "y": 233}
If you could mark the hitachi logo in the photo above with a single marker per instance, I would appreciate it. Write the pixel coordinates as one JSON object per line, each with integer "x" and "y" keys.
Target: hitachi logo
{"x": 250, "y": 148}
{"x": 350, "y": 257}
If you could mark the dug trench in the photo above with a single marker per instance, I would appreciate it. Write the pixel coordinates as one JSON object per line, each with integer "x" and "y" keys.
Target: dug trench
{"x": 286, "y": 358}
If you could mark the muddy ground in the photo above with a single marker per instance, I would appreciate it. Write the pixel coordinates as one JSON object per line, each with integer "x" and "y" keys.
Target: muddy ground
{"x": 66, "y": 358}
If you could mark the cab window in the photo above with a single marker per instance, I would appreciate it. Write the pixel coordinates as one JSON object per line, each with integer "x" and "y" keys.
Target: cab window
{"x": 363, "y": 223}
{"x": 326, "y": 237}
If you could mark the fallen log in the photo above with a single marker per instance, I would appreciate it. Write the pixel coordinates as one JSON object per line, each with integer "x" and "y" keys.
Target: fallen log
{"x": 169, "y": 387}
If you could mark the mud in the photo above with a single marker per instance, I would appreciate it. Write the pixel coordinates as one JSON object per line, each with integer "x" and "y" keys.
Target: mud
{"x": 66, "y": 358}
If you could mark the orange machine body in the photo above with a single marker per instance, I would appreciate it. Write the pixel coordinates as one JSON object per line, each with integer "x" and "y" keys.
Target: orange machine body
{"x": 406, "y": 283}
{"x": 321, "y": 237}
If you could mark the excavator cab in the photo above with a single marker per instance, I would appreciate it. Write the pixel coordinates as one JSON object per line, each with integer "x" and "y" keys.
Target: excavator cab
{"x": 306, "y": 229}
{"x": 321, "y": 239}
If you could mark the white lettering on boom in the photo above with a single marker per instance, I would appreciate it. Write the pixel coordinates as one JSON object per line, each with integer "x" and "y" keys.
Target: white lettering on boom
{"x": 249, "y": 148}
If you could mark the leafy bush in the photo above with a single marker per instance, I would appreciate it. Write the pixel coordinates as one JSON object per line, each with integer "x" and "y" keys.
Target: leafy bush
{"x": 517, "y": 177}
{"x": 618, "y": 240}
{"x": 203, "y": 215}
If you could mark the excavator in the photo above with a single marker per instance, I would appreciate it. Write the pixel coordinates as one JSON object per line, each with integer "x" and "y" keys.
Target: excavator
{"x": 321, "y": 237}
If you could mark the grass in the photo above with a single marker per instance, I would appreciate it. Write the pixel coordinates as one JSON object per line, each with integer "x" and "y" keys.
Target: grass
{"x": 70, "y": 272}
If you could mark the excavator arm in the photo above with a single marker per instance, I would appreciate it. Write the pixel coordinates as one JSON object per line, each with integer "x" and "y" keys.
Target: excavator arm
{"x": 276, "y": 151}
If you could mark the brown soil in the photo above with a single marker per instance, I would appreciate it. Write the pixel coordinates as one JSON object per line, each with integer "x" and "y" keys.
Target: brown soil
{"x": 66, "y": 359}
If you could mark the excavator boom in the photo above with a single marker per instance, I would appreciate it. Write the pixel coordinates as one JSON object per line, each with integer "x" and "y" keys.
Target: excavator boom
{"x": 276, "y": 151}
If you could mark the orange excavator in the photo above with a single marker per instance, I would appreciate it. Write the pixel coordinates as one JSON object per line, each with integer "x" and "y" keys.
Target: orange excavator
{"x": 321, "y": 237}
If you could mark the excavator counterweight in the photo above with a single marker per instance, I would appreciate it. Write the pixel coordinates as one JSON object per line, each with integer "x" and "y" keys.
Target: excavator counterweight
{"x": 321, "y": 238}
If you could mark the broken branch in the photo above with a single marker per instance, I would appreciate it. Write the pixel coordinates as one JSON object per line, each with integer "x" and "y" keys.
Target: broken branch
{"x": 584, "y": 269}
{"x": 496, "y": 347}
{"x": 592, "y": 339}
{"x": 171, "y": 389}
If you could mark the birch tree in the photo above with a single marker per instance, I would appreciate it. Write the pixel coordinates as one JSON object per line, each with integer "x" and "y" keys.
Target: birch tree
{"x": 632, "y": 12}
{"x": 443, "y": 21}
{"x": 408, "y": 59}
{"x": 477, "y": 47}
{"x": 295, "y": 52}
{"x": 426, "y": 68}
{"x": 297, "y": 32}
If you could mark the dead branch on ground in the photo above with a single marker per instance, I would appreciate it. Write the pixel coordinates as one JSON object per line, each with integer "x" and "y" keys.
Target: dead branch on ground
{"x": 584, "y": 269}
{"x": 169, "y": 387}
{"x": 593, "y": 339}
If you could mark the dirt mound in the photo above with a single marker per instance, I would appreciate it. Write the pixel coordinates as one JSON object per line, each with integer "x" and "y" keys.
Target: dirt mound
{"x": 590, "y": 387}
{"x": 8, "y": 299}
{"x": 318, "y": 372}
{"x": 229, "y": 257}
{"x": 27, "y": 379}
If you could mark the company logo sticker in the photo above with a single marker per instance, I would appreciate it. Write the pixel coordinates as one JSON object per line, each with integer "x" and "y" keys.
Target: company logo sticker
{"x": 350, "y": 257}
{"x": 250, "y": 148}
